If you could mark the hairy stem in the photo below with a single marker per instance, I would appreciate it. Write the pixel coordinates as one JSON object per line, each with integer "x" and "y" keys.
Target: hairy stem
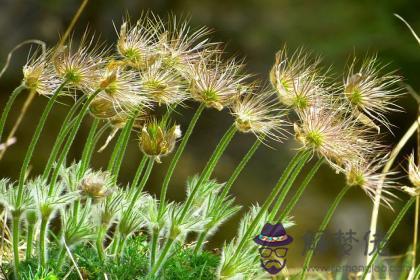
{"x": 64, "y": 130}
{"x": 70, "y": 139}
{"x": 388, "y": 235}
{"x": 42, "y": 242}
{"x": 203, "y": 235}
{"x": 29, "y": 240}
{"x": 322, "y": 228}
{"x": 15, "y": 241}
{"x": 301, "y": 189}
{"x": 177, "y": 156}
{"x": 34, "y": 141}
{"x": 139, "y": 171}
{"x": 377, "y": 199}
{"x": 18, "y": 121}
{"x": 285, "y": 190}
{"x": 208, "y": 169}
{"x": 301, "y": 156}
{"x": 8, "y": 106}
{"x": 99, "y": 243}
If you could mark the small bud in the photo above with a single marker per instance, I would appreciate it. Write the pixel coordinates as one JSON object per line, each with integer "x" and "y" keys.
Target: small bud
{"x": 156, "y": 140}
{"x": 96, "y": 185}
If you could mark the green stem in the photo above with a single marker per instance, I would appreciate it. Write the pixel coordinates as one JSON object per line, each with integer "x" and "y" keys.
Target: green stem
{"x": 30, "y": 240}
{"x": 8, "y": 107}
{"x": 70, "y": 140}
{"x": 120, "y": 248}
{"x": 64, "y": 130}
{"x": 154, "y": 246}
{"x": 34, "y": 141}
{"x": 15, "y": 241}
{"x": 203, "y": 235}
{"x": 388, "y": 235}
{"x": 162, "y": 257}
{"x": 139, "y": 170}
{"x": 42, "y": 242}
{"x": 301, "y": 189}
{"x": 377, "y": 201}
{"x": 177, "y": 156}
{"x": 285, "y": 190}
{"x": 89, "y": 155}
{"x": 61, "y": 258}
{"x": 208, "y": 169}
{"x": 89, "y": 145}
{"x": 322, "y": 228}
{"x": 299, "y": 157}
{"x": 100, "y": 244}
{"x": 121, "y": 147}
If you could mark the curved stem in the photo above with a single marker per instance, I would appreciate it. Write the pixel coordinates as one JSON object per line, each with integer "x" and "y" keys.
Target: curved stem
{"x": 322, "y": 228}
{"x": 211, "y": 164}
{"x": 377, "y": 199}
{"x": 18, "y": 121}
{"x": 61, "y": 258}
{"x": 64, "y": 130}
{"x": 8, "y": 106}
{"x": 388, "y": 235}
{"x": 301, "y": 189}
{"x": 15, "y": 241}
{"x": 100, "y": 244}
{"x": 42, "y": 242}
{"x": 139, "y": 171}
{"x": 301, "y": 156}
{"x": 70, "y": 139}
{"x": 30, "y": 240}
{"x": 34, "y": 141}
{"x": 285, "y": 190}
{"x": 177, "y": 156}
{"x": 203, "y": 235}
{"x": 90, "y": 142}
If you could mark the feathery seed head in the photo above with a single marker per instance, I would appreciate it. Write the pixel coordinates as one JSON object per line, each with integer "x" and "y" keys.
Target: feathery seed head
{"x": 329, "y": 134}
{"x": 161, "y": 85}
{"x": 136, "y": 43}
{"x": 39, "y": 76}
{"x": 79, "y": 66}
{"x": 296, "y": 80}
{"x": 258, "y": 112}
{"x": 157, "y": 139}
{"x": 366, "y": 174}
{"x": 216, "y": 83}
{"x": 371, "y": 94}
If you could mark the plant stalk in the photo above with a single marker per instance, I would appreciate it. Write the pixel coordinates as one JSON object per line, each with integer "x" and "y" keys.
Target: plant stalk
{"x": 8, "y": 106}
{"x": 30, "y": 240}
{"x": 15, "y": 228}
{"x": 322, "y": 228}
{"x": 387, "y": 236}
{"x": 377, "y": 199}
{"x": 42, "y": 242}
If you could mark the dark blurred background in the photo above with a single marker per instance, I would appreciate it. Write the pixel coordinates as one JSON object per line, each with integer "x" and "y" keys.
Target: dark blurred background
{"x": 254, "y": 29}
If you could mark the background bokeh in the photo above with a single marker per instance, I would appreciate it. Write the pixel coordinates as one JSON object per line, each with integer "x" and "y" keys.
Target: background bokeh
{"x": 254, "y": 29}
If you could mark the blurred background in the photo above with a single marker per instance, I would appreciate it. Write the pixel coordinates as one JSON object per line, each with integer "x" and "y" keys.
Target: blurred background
{"x": 254, "y": 29}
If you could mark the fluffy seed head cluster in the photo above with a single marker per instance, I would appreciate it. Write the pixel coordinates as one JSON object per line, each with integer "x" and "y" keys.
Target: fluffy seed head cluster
{"x": 157, "y": 139}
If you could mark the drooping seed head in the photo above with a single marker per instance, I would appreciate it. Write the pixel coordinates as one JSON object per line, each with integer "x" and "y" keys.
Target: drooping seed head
{"x": 414, "y": 176}
{"x": 370, "y": 93}
{"x": 367, "y": 175}
{"x": 258, "y": 112}
{"x": 157, "y": 139}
